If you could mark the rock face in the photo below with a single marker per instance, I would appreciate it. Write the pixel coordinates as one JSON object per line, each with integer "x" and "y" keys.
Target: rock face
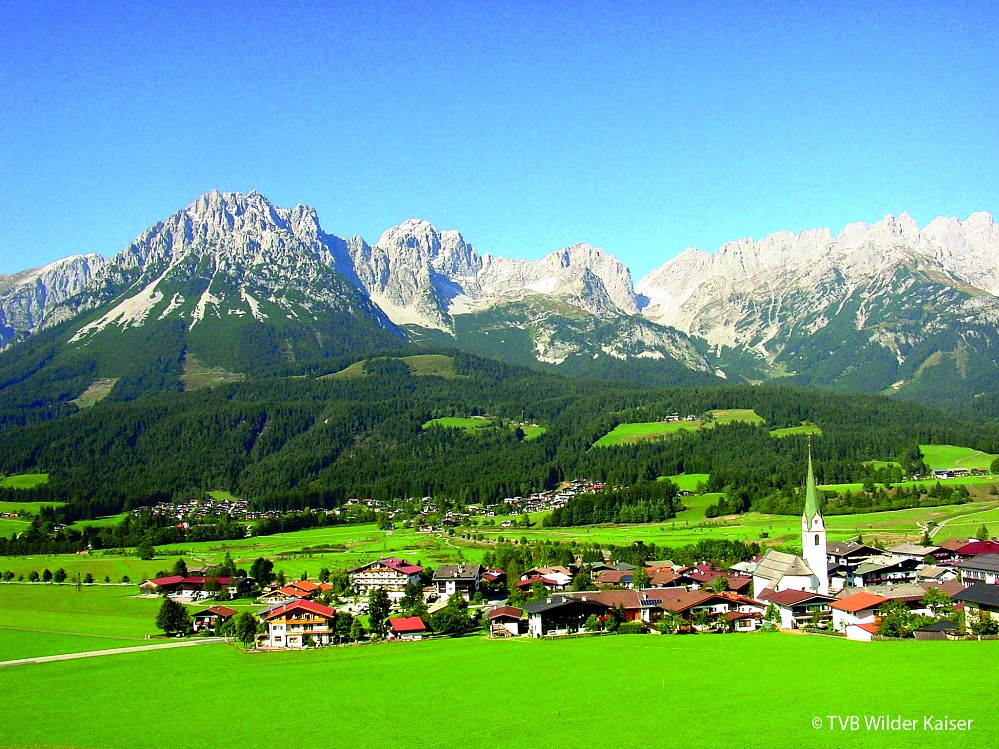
{"x": 882, "y": 307}
{"x": 28, "y": 299}
{"x": 803, "y": 302}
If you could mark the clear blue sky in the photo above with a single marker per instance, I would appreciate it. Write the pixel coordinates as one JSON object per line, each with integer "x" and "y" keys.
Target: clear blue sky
{"x": 643, "y": 128}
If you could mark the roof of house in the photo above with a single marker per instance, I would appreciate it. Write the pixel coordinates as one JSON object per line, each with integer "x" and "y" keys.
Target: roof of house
{"x": 947, "y": 587}
{"x": 932, "y": 571}
{"x": 870, "y": 627}
{"x": 684, "y": 600}
{"x": 559, "y": 601}
{"x": 909, "y": 548}
{"x": 393, "y": 563}
{"x": 290, "y": 591}
{"x": 223, "y": 611}
{"x": 665, "y": 577}
{"x": 736, "y": 615}
{"x": 791, "y": 597}
{"x": 974, "y": 548}
{"x": 983, "y": 562}
{"x": 505, "y": 611}
{"x": 189, "y": 580}
{"x": 629, "y": 599}
{"x": 952, "y": 544}
{"x": 287, "y": 606}
{"x": 614, "y": 577}
{"x": 980, "y": 593}
{"x": 859, "y": 602}
{"x": 891, "y": 591}
{"x": 882, "y": 562}
{"x": 305, "y": 585}
{"x": 405, "y": 624}
{"x": 469, "y": 572}
{"x": 849, "y": 548}
{"x": 942, "y": 625}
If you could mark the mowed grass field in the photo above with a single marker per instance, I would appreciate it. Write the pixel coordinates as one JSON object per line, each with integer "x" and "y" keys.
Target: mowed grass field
{"x": 477, "y": 425}
{"x": 701, "y": 691}
{"x": 940, "y": 457}
{"x": 24, "y": 480}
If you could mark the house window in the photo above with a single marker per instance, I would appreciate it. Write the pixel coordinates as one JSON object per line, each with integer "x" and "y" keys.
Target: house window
{"x": 816, "y": 539}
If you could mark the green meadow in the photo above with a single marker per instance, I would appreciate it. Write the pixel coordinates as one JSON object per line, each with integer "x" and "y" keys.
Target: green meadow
{"x": 628, "y": 434}
{"x": 940, "y": 457}
{"x": 24, "y": 480}
{"x": 473, "y": 692}
{"x": 478, "y": 425}
{"x": 792, "y": 431}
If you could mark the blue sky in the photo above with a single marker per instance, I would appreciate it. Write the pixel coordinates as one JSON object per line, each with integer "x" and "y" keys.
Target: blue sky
{"x": 643, "y": 128}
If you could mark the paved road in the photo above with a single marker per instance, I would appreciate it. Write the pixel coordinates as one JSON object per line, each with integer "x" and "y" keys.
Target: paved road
{"x": 113, "y": 651}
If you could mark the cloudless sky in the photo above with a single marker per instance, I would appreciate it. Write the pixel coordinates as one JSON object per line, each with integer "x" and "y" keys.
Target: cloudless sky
{"x": 639, "y": 127}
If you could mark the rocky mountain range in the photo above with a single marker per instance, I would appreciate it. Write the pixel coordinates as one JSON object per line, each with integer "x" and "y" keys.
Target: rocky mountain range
{"x": 242, "y": 285}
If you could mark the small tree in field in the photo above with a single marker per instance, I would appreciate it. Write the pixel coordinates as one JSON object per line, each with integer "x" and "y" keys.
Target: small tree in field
{"x": 670, "y": 623}
{"x": 356, "y": 630}
{"x": 173, "y": 618}
{"x": 378, "y": 610}
{"x": 59, "y": 575}
{"x": 245, "y": 628}
{"x": 592, "y": 623}
{"x": 982, "y": 534}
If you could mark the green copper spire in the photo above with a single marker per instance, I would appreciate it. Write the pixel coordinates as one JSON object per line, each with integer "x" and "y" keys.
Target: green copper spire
{"x": 811, "y": 496}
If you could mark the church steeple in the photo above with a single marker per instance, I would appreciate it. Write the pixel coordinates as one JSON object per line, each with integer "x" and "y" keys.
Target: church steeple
{"x": 813, "y": 531}
{"x": 811, "y": 495}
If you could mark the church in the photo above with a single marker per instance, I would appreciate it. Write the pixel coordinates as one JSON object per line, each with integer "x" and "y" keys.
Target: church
{"x": 777, "y": 571}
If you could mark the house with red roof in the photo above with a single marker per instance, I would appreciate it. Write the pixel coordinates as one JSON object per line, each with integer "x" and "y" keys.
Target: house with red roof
{"x": 298, "y": 624}
{"x": 859, "y": 608}
{"x": 406, "y": 628}
{"x": 195, "y": 586}
{"x": 391, "y": 574}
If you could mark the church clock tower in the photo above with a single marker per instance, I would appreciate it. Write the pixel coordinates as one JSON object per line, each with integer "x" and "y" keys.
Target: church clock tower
{"x": 813, "y": 532}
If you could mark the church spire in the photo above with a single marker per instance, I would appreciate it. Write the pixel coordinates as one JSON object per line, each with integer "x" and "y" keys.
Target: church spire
{"x": 811, "y": 495}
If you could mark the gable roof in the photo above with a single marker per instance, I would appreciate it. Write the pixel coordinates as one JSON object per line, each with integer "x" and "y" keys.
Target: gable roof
{"x": 884, "y": 562}
{"x": 909, "y": 548}
{"x": 980, "y": 593}
{"x": 405, "y": 624}
{"x": 223, "y": 611}
{"x": 305, "y": 585}
{"x": 941, "y": 625}
{"x": 859, "y": 602}
{"x": 288, "y": 606}
{"x": 983, "y": 562}
{"x": 974, "y": 548}
{"x": 849, "y": 548}
{"x": 467, "y": 572}
{"x": 189, "y": 580}
{"x": 511, "y": 611}
{"x": 560, "y": 601}
{"x": 393, "y": 563}
{"x": 891, "y": 591}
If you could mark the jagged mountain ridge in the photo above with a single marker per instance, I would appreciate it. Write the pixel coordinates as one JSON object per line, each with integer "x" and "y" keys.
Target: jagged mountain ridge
{"x": 879, "y": 307}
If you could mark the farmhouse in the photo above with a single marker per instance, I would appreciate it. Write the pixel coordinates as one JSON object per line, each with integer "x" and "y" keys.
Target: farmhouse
{"x": 297, "y": 624}
{"x": 981, "y": 600}
{"x": 917, "y": 552}
{"x": 884, "y": 569}
{"x": 390, "y": 574}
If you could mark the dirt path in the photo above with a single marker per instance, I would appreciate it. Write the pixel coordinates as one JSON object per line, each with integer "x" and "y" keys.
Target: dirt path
{"x": 112, "y": 651}
{"x": 937, "y": 528}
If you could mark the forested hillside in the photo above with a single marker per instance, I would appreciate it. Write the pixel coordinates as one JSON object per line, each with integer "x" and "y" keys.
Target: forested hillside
{"x": 296, "y": 441}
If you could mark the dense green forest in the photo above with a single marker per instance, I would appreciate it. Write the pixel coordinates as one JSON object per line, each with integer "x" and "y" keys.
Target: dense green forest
{"x": 289, "y": 442}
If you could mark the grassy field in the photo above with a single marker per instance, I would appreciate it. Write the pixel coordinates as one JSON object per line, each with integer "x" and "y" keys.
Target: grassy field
{"x": 25, "y": 507}
{"x": 966, "y": 527}
{"x": 421, "y": 365}
{"x": 939, "y": 457}
{"x": 688, "y": 482}
{"x": 628, "y": 434}
{"x": 93, "y": 610}
{"x": 477, "y": 424}
{"x": 126, "y": 701}
{"x": 24, "y": 480}
{"x": 923, "y": 483}
{"x": 9, "y": 526}
{"x": 791, "y": 431}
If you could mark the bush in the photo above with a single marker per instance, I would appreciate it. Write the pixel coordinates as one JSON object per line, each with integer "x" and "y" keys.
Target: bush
{"x": 631, "y": 628}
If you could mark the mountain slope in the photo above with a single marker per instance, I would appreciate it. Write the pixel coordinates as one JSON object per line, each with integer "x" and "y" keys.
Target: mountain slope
{"x": 885, "y": 307}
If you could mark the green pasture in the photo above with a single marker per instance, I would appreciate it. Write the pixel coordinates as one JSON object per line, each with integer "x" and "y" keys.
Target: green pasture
{"x": 688, "y": 482}
{"x": 967, "y": 525}
{"x": 220, "y": 496}
{"x": 31, "y": 508}
{"x": 940, "y": 457}
{"x": 9, "y": 526}
{"x": 93, "y": 610}
{"x": 420, "y": 365}
{"x": 478, "y": 424}
{"x": 695, "y": 506}
{"x": 101, "y": 521}
{"x": 24, "y": 481}
{"x": 628, "y": 434}
{"x": 922, "y": 483}
{"x": 124, "y": 708}
{"x": 792, "y": 431}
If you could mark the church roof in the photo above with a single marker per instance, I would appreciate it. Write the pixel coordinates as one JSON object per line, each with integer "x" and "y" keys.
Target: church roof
{"x": 777, "y": 564}
{"x": 811, "y": 495}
